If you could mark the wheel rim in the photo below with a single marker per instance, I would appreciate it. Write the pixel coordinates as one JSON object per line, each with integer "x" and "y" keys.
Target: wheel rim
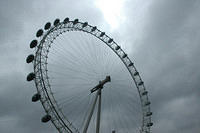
{"x": 42, "y": 81}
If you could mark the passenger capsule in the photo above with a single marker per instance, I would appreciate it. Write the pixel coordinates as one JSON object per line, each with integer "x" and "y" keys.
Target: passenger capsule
{"x": 47, "y": 26}
{"x": 149, "y": 113}
{"x": 30, "y": 76}
{"x": 147, "y": 103}
{"x": 149, "y": 124}
{"x": 141, "y": 83}
{"x": 57, "y": 21}
{"x": 85, "y": 24}
{"x": 36, "y": 97}
{"x": 110, "y": 40}
{"x": 131, "y": 64}
{"x": 136, "y": 73}
{"x": 144, "y": 93}
{"x": 66, "y": 20}
{"x": 125, "y": 55}
{"x": 75, "y": 21}
{"x": 33, "y": 44}
{"x": 93, "y": 29}
{"x": 30, "y": 58}
{"x": 102, "y": 34}
{"x": 46, "y": 118}
{"x": 117, "y": 48}
{"x": 39, "y": 33}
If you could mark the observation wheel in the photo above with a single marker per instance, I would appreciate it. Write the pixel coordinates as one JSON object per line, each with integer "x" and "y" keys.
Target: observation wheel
{"x": 86, "y": 82}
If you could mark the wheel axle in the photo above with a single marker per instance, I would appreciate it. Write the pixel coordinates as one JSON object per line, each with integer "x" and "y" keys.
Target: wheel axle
{"x": 101, "y": 83}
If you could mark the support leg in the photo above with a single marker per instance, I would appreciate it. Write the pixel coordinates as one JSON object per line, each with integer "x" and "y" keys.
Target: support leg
{"x": 90, "y": 115}
{"x": 99, "y": 112}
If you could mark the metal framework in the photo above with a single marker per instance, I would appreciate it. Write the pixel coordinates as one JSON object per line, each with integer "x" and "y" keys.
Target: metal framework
{"x": 41, "y": 78}
{"x": 97, "y": 88}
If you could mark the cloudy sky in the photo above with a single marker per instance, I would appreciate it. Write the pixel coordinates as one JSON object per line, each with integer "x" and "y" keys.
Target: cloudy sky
{"x": 161, "y": 37}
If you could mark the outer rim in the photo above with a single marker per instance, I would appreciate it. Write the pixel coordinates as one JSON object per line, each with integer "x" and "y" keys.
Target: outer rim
{"x": 42, "y": 83}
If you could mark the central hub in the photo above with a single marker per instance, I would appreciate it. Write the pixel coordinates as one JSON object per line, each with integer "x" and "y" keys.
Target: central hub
{"x": 100, "y": 85}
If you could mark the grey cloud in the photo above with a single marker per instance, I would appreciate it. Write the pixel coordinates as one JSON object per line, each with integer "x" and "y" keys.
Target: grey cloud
{"x": 166, "y": 56}
{"x": 19, "y": 22}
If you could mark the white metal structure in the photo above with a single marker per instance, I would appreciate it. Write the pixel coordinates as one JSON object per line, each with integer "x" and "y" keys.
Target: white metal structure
{"x": 66, "y": 81}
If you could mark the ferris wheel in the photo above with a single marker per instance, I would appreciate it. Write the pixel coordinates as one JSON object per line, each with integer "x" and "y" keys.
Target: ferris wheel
{"x": 86, "y": 82}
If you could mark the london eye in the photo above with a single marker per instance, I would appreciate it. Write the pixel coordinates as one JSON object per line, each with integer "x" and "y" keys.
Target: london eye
{"x": 85, "y": 82}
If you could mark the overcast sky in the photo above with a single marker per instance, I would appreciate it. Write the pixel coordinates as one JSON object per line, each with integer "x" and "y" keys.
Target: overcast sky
{"x": 161, "y": 36}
